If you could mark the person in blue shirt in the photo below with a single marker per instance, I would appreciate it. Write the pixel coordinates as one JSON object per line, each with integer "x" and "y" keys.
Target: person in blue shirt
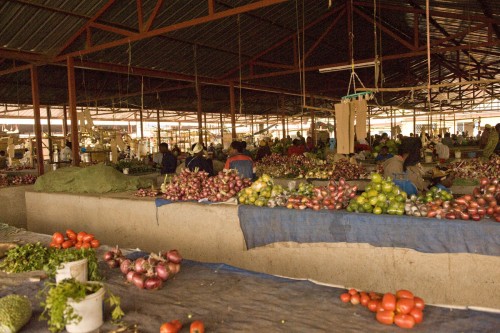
{"x": 383, "y": 154}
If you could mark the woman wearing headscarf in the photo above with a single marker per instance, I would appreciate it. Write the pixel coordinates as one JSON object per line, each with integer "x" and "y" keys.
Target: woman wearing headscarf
{"x": 198, "y": 160}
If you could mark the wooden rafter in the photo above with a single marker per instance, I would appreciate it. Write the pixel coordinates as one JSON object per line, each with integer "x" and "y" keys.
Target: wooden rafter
{"x": 152, "y": 16}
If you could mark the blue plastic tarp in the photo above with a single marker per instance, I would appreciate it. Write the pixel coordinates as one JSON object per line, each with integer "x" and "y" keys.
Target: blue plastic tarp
{"x": 262, "y": 226}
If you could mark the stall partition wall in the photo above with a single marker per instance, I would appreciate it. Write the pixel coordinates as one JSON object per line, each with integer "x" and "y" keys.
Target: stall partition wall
{"x": 212, "y": 233}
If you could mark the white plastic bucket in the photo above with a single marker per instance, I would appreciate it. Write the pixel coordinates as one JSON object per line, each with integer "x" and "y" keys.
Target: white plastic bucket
{"x": 428, "y": 159}
{"x": 125, "y": 171}
{"x": 74, "y": 269}
{"x": 90, "y": 310}
{"x": 458, "y": 154}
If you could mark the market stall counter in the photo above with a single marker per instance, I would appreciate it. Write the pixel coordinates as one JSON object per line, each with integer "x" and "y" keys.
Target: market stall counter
{"x": 229, "y": 299}
{"x": 212, "y": 233}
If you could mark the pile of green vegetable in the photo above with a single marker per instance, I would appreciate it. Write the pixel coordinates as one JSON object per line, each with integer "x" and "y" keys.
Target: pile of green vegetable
{"x": 35, "y": 256}
{"x": 15, "y": 312}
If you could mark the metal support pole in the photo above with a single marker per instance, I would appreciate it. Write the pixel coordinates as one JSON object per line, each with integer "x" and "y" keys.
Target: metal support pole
{"x": 415, "y": 122}
{"x": 49, "y": 129}
{"x": 282, "y": 109}
{"x": 232, "y": 107}
{"x": 75, "y": 144}
{"x": 221, "y": 129}
{"x": 198, "y": 107}
{"x": 158, "y": 133}
{"x": 38, "y": 127}
{"x": 206, "y": 129}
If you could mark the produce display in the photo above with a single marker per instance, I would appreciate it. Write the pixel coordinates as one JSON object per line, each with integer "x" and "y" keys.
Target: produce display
{"x": 403, "y": 308}
{"x": 147, "y": 272}
{"x": 175, "y": 326}
{"x": 299, "y": 166}
{"x": 476, "y": 168}
{"x": 262, "y": 192}
{"x": 429, "y": 205}
{"x": 147, "y": 193}
{"x": 381, "y": 196}
{"x": 334, "y": 196}
{"x": 196, "y": 185}
{"x": 15, "y": 312}
{"x": 78, "y": 240}
{"x": 6, "y": 180}
{"x": 35, "y": 256}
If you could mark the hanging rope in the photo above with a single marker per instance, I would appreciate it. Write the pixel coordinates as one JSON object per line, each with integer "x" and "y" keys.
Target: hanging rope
{"x": 375, "y": 41}
{"x": 427, "y": 15}
{"x": 299, "y": 53}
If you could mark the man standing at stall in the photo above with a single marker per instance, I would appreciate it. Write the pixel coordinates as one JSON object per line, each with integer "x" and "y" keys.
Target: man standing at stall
{"x": 239, "y": 161}
{"x": 165, "y": 160}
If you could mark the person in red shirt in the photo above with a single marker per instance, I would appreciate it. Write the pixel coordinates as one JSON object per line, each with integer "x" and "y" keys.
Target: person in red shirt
{"x": 296, "y": 149}
{"x": 239, "y": 161}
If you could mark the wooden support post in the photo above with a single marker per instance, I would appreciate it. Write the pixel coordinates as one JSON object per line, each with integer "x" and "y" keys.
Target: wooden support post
{"x": 141, "y": 123}
{"x": 369, "y": 127}
{"x": 65, "y": 123}
{"x": 414, "y": 122}
{"x": 232, "y": 107}
{"x": 75, "y": 144}
{"x": 35, "y": 95}
{"x": 313, "y": 122}
{"x": 49, "y": 129}
{"x": 158, "y": 133}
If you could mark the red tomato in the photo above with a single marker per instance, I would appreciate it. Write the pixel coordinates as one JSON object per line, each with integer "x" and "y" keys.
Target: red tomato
{"x": 67, "y": 244}
{"x": 372, "y": 305}
{"x": 374, "y": 295}
{"x": 385, "y": 317}
{"x": 55, "y": 245}
{"x": 404, "y": 294}
{"x": 87, "y": 238}
{"x": 417, "y": 314}
{"x": 352, "y": 291}
{"x": 355, "y": 299}
{"x": 85, "y": 245}
{"x": 404, "y": 305}
{"x": 71, "y": 234}
{"x": 197, "y": 326}
{"x": 58, "y": 238}
{"x": 177, "y": 323}
{"x": 345, "y": 297}
{"x": 389, "y": 302}
{"x": 404, "y": 320}
{"x": 168, "y": 328}
{"x": 364, "y": 298}
{"x": 419, "y": 303}
{"x": 80, "y": 235}
{"x": 95, "y": 243}
{"x": 78, "y": 245}
{"x": 379, "y": 306}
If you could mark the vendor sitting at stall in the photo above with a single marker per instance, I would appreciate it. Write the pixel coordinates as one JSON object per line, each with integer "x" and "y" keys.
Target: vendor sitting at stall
{"x": 383, "y": 154}
{"x": 297, "y": 148}
{"x": 3, "y": 160}
{"x": 198, "y": 160}
{"x": 394, "y": 168}
{"x": 66, "y": 154}
{"x": 263, "y": 151}
{"x": 239, "y": 161}
{"x": 165, "y": 160}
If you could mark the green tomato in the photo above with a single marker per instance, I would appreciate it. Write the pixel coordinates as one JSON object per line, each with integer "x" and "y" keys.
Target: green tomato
{"x": 387, "y": 187}
{"x": 382, "y": 197}
{"x": 378, "y": 187}
{"x": 376, "y": 178}
{"x": 373, "y": 201}
{"x": 377, "y": 210}
{"x": 360, "y": 200}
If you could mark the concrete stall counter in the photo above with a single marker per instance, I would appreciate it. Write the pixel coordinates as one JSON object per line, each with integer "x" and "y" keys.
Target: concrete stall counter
{"x": 212, "y": 233}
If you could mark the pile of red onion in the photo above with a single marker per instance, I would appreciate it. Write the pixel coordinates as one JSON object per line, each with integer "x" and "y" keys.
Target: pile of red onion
{"x": 278, "y": 166}
{"x": 224, "y": 186}
{"x": 146, "y": 193}
{"x": 485, "y": 201}
{"x": 23, "y": 180}
{"x": 335, "y": 196}
{"x": 149, "y": 272}
{"x": 347, "y": 170}
{"x": 476, "y": 168}
{"x": 188, "y": 185}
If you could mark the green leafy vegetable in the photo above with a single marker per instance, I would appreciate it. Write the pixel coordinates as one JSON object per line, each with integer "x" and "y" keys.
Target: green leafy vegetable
{"x": 26, "y": 258}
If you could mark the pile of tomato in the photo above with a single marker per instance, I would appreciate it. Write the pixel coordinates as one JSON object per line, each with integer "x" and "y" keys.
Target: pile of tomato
{"x": 72, "y": 239}
{"x": 403, "y": 309}
{"x": 174, "y": 326}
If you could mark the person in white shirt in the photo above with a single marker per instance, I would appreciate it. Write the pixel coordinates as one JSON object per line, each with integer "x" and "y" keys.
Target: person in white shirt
{"x": 66, "y": 153}
{"x": 442, "y": 151}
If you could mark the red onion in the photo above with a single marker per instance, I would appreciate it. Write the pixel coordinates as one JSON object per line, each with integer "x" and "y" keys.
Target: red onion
{"x": 173, "y": 268}
{"x": 138, "y": 280}
{"x": 112, "y": 263}
{"x": 130, "y": 276}
{"x": 153, "y": 282}
{"x": 139, "y": 265}
{"x": 109, "y": 255}
{"x": 162, "y": 271}
{"x": 125, "y": 266}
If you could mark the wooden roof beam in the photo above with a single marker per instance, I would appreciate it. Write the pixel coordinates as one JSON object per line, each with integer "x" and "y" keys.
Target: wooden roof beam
{"x": 489, "y": 14}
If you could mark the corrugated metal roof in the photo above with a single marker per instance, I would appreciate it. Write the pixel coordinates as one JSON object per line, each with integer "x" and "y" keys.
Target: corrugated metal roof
{"x": 45, "y": 26}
